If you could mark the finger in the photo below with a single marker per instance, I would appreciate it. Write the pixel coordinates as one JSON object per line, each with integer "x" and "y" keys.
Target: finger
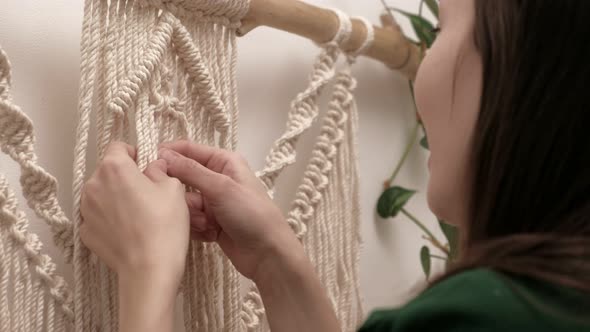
{"x": 198, "y": 152}
{"x": 120, "y": 156}
{"x": 198, "y": 222}
{"x": 121, "y": 149}
{"x": 156, "y": 170}
{"x": 192, "y": 173}
{"x": 201, "y": 222}
{"x": 196, "y": 210}
{"x": 194, "y": 201}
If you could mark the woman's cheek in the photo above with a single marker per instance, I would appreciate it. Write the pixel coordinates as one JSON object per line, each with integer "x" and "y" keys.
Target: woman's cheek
{"x": 428, "y": 92}
{"x": 420, "y": 89}
{"x": 433, "y": 94}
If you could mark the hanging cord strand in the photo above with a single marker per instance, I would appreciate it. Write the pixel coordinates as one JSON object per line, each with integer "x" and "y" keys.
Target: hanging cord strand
{"x": 30, "y": 245}
{"x": 316, "y": 195}
{"x": 38, "y": 186}
{"x": 303, "y": 112}
{"x": 40, "y": 190}
{"x": 304, "y": 109}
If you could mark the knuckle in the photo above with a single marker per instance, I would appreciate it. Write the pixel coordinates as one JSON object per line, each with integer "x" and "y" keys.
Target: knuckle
{"x": 111, "y": 147}
{"x": 116, "y": 144}
{"x": 111, "y": 164}
{"x": 90, "y": 187}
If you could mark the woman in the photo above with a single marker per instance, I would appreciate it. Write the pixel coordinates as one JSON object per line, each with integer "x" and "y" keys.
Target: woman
{"x": 502, "y": 97}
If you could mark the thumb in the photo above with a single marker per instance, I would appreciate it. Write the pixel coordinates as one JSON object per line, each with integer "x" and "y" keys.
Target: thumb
{"x": 156, "y": 170}
{"x": 211, "y": 184}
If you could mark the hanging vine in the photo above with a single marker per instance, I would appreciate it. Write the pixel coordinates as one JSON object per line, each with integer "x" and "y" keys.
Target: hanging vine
{"x": 394, "y": 198}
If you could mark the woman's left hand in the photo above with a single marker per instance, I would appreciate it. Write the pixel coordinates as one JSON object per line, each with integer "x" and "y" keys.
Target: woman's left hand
{"x": 136, "y": 223}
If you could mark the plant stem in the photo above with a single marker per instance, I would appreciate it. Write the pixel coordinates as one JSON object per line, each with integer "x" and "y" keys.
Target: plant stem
{"x": 429, "y": 235}
{"x": 417, "y": 222}
{"x": 439, "y": 257}
{"x": 386, "y": 7}
{"x": 406, "y": 153}
{"x": 437, "y": 244}
{"x": 412, "y": 139}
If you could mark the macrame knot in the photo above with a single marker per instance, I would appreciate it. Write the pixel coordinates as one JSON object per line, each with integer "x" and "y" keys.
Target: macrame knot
{"x": 18, "y": 225}
{"x": 297, "y": 226}
{"x": 367, "y": 42}
{"x": 4, "y": 72}
{"x": 174, "y": 108}
{"x": 332, "y": 137}
{"x": 3, "y": 86}
{"x": 345, "y": 84}
{"x": 344, "y": 30}
{"x": 252, "y": 310}
{"x": 168, "y": 105}
{"x": 32, "y": 247}
{"x": 16, "y": 129}
{"x": 38, "y": 183}
{"x": 225, "y": 12}
{"x": 315, "y": 176}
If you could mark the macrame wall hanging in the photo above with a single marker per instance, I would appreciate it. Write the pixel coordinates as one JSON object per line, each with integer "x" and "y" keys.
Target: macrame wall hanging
{"x": 160, "y": 70}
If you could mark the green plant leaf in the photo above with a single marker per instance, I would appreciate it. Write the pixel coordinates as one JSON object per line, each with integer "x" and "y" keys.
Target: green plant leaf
{"x": 424, "y": 143}
{"x": 425, "y": 260}
{"x": 433, "y": 6}
{"x": 422, "y": 27}
{"x": 392, "y": 200}
{"x": 452, "y": 234}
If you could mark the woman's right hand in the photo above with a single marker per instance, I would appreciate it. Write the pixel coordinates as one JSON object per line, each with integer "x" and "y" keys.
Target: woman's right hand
{"x": 232, "y": 207}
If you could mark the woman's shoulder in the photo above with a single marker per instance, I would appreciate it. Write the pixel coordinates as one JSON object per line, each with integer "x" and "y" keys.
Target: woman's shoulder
{"x": 484, "y": 300}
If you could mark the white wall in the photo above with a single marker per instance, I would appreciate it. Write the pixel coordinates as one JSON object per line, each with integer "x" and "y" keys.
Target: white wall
{"x": 41, "y": 38}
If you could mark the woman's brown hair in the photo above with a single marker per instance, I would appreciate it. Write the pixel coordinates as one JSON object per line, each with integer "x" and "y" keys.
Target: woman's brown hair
{"x": 530, "y": 202}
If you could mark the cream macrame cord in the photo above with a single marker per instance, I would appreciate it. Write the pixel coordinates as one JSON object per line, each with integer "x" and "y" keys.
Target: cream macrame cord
{"x": 325, "y": 214}
{"x": 160, "y": 70}
{"x": 154, "y": 71}
{"x": 32, "y": 296}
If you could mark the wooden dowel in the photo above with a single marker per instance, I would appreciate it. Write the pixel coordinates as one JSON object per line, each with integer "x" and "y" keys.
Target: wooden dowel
{"x": 320, "y": 25}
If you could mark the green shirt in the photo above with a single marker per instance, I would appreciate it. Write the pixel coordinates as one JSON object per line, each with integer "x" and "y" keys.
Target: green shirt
{"x": 483, "y": 301}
